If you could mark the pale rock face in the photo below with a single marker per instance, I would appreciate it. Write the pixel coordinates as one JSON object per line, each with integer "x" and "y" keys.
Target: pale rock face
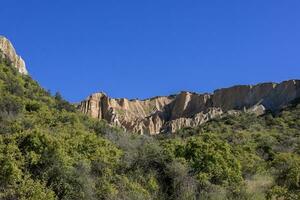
{"x": 8, "y": 52}
{"x": 257, "y": 110}
{"x": 272, "y": 96}
{"x": 198, "y": 119}
{"x": 139, "y": 116}
{"x": 171, "y": 113}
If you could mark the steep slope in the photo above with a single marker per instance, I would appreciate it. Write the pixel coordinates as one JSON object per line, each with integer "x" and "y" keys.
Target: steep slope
{"x": 171, "y": 113}
{"x": 8, "y": 52}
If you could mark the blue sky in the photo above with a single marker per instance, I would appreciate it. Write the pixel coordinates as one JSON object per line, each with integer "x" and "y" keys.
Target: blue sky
{"x": 139, "y": 49}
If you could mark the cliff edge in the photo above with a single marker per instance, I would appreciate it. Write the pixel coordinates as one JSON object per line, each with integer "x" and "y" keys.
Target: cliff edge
{"x": 186, "y": 109}
{"x": 8, "y": 52}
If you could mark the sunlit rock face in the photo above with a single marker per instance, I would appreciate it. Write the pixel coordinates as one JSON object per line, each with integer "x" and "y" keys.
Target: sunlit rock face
{"x": 8, "y": 52}
{"x": 186, "y": 109}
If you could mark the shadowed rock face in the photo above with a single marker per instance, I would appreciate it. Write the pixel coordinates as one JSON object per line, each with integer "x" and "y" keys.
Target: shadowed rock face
{"x": 8, "y": 52}
{"x": 170, "y": 113}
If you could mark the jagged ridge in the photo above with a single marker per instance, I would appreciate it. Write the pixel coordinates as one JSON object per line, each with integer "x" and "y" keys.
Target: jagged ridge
{"x": 170, "y": 113}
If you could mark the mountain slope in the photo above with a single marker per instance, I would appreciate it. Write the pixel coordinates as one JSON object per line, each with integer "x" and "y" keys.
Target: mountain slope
{"x": 49, "y": 150}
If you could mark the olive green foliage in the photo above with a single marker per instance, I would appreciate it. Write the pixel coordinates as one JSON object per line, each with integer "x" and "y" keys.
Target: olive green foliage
{"x": 265, "y": 152}
{"x": 48, "y": 150}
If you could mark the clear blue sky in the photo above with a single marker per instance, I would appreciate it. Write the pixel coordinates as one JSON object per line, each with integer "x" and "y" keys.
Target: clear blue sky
{"x": 144, "y": 48}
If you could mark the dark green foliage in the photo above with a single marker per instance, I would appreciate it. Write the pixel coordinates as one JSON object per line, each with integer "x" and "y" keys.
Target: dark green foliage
{"x": 10, "y": 106}
{"x": 62, "y": 104}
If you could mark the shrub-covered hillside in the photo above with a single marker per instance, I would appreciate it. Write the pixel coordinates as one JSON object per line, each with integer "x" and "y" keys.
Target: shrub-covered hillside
{"x": 266, "y": 150}
{"x": 50, "y": 151}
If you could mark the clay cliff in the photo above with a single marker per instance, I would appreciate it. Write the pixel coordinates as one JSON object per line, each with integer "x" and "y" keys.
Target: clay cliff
{"x": 8, "y": 52}
{"x": 170, "y": 113}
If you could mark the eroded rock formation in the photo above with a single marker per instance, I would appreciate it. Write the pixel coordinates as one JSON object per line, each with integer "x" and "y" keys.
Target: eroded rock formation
{"x": 8, "y": 52}
{"x": 170, "y": 113}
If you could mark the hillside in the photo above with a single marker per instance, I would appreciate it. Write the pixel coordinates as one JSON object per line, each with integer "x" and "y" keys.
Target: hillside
{"x": 49, "y": 150}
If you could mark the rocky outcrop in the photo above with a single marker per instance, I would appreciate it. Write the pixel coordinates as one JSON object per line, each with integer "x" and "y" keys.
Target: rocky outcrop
{"x": 8, "y": 52}
{"x": 186, "y": 109}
